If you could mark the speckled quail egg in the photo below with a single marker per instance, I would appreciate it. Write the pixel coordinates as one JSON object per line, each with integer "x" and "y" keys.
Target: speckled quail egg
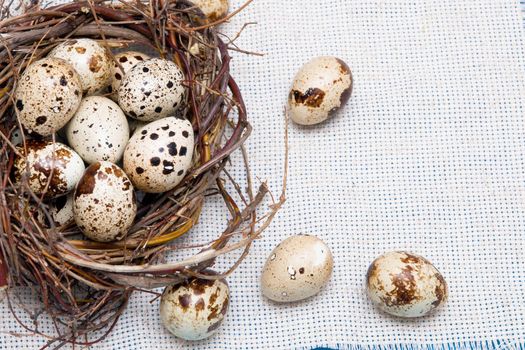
{"x": 122, "y": 63}
{"x": 195, "y": 309}
{"x": 319, "y": 89}
{"x": 98, "y": 130}
{"x": 405, "y": 285}
{"x": 104, "y": 206}
{"x": 151, "y": 90}
{"x": 213, "y": 9}
{"x": 47, "y": 95}
{"x": 53, "y": 168}
{"x": 90, "y": 59}
{"x": 296, "y": 269}
{"x": 158, "y": 156}
{"x": 61, "y": 210}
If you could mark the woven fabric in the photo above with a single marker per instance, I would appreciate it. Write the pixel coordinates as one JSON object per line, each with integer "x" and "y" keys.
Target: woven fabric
{"x": 427, "y": 156}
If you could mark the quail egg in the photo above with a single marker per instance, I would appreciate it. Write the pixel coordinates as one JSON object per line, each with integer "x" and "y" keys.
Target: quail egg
{"x": 50, "y": 168}
{"x": 47, "y": 95}
{"x": 151, "y": 90}
{"x": 98, "y": 130}
{"x": 122, "y": 63}
{"x": 104, "y": 205}
{"x": 90, "y": 59}
{"x": 296, "y": 269}
{"x": 158, "y": 156}
{"x": 213, "y": 9}
{"x": 195, "y": 309}
{"x": 405, "y": 285}
{"x": 61, "y": 210}
{"x": 319, "y": 89}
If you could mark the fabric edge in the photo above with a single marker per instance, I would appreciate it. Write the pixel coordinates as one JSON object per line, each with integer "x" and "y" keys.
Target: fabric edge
{"x": 510, "y": 344}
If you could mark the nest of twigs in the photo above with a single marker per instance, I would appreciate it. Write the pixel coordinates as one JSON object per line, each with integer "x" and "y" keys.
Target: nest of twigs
{"x": 84, "y": 285}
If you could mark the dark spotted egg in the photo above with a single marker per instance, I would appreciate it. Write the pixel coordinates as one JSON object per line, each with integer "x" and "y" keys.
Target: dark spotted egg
{"x": 104, "y": 204}
{"x": 405, "y": 285}
{"x": 47, "y": 95}
{"x": 296, "y": 269}
{"x": 50, "y": 168}
{"x": 152, "y": 90}
{"x": 90, "y": 59}
{"x": 159, "y": 154}
{"x": 195, "y": 309}
{"x": 319, "y": 89}
{"x": 98, "y": 130}
{"x": 122, "y": 63}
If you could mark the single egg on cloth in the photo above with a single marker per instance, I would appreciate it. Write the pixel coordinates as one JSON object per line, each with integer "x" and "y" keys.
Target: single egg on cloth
{"x": 296, "y": 269}
{"x": 104, "y": 205}
{"x": 122, "y": 63}
{"x": 319, "y": 89}
{"x": 53, "y": 168}
{"x": 98, "y": 130}
{"x": 61, "y": 210}
{"x": 151, "y": 90}
{"x": 195, "y": 309}
{"x": 212, "y": 9}
{"x": 158, "y": 156}
{"x": 90, "y": 59}
{"x": 405, "y": 285}
{"x": 47, "y": 95}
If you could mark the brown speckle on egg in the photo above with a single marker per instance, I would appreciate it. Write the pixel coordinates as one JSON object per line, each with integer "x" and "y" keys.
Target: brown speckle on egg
{"x": 42, "y": 84}
{"x": 104, "y": 203}
{"x": 320, "y": 88}
{"x": 405, "y": 284}
{"x": 151, "y": 169}
{"x": 50, "y": 168}
{"x": 146, "y": 85}
{"x": 284, "y": 279}
{"x": 92, "y": 132}
{"x": 91, "y": 61}
{"x": 194, "y": 309}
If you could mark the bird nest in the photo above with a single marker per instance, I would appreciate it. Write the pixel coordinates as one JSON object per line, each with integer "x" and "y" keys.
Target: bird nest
{"x": 84, "y": 285}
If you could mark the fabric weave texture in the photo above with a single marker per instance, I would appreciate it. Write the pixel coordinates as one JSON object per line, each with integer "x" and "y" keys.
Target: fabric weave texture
{"x": 427, "y": 156}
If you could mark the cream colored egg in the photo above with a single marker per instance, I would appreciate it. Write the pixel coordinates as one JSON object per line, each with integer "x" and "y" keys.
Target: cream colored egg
{"x": 213, "y": 9}
{"x": 319, "y": 89}
{"x": 296, "y": 269}
{"x": 152, "y": 90}
{"x": 47, "y": 95}
{"x": 50, "y": 168}
{"x": 195, "y": 309}
{"x": 61, "y": 210}
{"x": 158, "y": 156}
{"x": 405, "y": 285}
{"x": 104, "y": 206}
{"x": 98, "y": 130}
{"x": 90, "y": 59}
{"x": 122, "y": 63}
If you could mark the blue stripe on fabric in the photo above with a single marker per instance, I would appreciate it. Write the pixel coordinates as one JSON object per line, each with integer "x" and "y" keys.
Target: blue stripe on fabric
{"x": 473, "y": 345}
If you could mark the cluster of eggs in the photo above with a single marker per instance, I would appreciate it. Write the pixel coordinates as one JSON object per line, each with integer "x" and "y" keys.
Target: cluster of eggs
{"x": 88, "y": 94}
{"x": 398, "y": 282}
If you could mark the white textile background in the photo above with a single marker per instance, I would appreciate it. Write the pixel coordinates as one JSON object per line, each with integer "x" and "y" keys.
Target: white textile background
{"x": 427, "y": 156}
